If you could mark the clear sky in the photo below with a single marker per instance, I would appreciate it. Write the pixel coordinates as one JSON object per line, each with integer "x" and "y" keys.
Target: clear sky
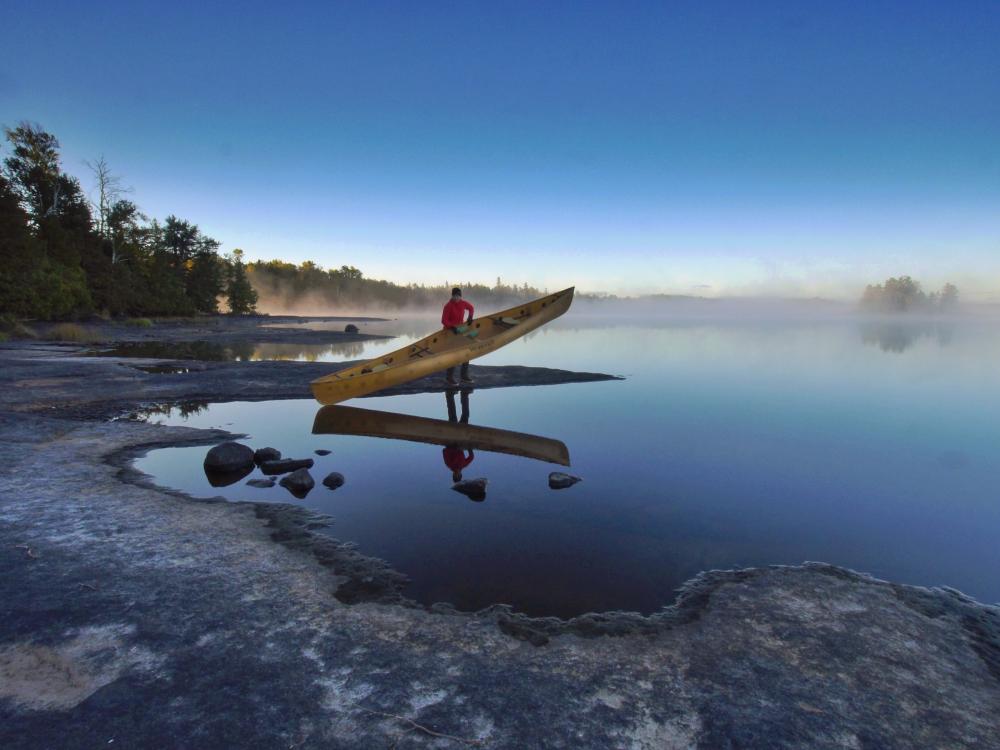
{"x": 688, "y": 147}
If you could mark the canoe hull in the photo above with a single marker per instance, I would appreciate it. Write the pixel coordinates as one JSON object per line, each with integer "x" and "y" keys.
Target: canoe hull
{"x": 440, "y": 350}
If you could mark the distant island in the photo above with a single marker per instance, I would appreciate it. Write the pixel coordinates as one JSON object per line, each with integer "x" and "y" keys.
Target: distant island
{"x": 903, "y": 294}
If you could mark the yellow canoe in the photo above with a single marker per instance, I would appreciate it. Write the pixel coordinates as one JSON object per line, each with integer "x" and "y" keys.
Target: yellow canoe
{"x": 440, "y": 350}
{"x": 350, "y": 420}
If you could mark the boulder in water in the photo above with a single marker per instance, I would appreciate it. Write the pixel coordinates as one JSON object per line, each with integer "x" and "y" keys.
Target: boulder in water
{"x": 262, "y": 483}
{"x": 334, "y": 480}
{"x": 321, "y": 452}
{"x": 350, "y": 328}
{"x": 299, "y": 482}
{"x": 266, "y": 454}
{"x": 229, "y": 458}
{"x": 474, "y": 489}
{"x": 560, "y": 481}
{"x": 285, "y": 465}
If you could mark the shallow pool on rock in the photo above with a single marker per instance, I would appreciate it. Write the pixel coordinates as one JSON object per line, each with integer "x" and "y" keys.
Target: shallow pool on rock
{"x": 870, "y": 445}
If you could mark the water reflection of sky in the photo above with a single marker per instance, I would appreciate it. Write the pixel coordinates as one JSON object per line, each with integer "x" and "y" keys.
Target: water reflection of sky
{"x": 728, "y": 445}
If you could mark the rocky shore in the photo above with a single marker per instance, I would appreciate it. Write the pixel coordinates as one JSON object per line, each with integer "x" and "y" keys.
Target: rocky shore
{"x": 135, "y": 617}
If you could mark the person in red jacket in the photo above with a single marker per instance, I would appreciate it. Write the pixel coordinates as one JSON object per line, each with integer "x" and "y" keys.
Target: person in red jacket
{"x": 452, "y": 317}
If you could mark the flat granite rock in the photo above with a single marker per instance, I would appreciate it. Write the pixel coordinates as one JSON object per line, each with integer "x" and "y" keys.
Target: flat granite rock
{"x": 82, "y": 387}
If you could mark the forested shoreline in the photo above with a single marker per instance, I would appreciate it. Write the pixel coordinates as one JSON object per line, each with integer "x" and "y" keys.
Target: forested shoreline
{"x": 298, "y": 288}
{"x": 65, "y": 254}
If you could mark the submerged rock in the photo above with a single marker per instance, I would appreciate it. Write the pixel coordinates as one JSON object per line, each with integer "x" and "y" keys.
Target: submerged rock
{"x": 321, "y": 452}
{"x": 299, "y": 482}
{"x": 350, "y": 328}
{"x": 285, "y": 465}
{"x": 266, "y": 454}
{"x": 334, "y": 480}
{"x": 474, "y": 489}
{"x": 218, "y": 478}
{"x": 560, "y": 481}
{"x": 262, "y": 483}
{"x": 229, "y": 458}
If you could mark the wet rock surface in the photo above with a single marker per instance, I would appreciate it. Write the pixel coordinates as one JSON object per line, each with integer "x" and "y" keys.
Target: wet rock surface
{"x": 229, "y": 457}
{"x": 266, "y": 454}
{"x": 299, "y": 482}
{"x": 262, "y": 483}
{"x": 59, "y": 379}
{"x": 136, "y": 617}
{"x": 333, "y": 480}
{"x": 285, "y": 465}
{"x": 474, "y": 489}
{"x": 257, "y": 329}
{"x": 560, "y": 481}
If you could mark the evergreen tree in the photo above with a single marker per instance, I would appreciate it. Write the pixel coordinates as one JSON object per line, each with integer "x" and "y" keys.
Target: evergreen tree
{"x": 17, "y": 254}
{"x": 59, "y": 219}
{"x": 204, "y": 282}
{"x": 242, "y": 297}
{"x": 948, "y": 299}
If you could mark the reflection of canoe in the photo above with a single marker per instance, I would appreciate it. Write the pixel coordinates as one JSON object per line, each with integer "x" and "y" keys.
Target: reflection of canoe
{"x": 440, "y": 350}
{"x": 349, "y": 420}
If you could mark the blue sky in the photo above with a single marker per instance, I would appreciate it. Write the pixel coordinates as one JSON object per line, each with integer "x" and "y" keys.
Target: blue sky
{"x": 716, "y": 148}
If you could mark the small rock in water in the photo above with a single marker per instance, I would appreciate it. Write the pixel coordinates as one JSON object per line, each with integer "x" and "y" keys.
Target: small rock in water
{"x": 334, "y": 480}
{"x": 299, "y": 482}
{"x": 229, "y": 458}
{"x": 261, "y": 483}
{"x": 266, "y": 454}
{"x": 350, "y": 328}
{"x": 321, "y": 452}
{"x": 560, "y": 481}
{"x": 474, "y": 489}
{"x": 285, "y": 465}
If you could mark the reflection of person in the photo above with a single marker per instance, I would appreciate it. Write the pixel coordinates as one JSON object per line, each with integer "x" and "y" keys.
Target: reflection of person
{"x": 453, "y": 317}
{"x": 452, "y": 412}
{"x": 455, "y": 457}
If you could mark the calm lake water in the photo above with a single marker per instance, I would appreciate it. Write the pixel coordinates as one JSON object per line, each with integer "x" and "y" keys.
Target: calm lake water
{"x": 871, "y": 445}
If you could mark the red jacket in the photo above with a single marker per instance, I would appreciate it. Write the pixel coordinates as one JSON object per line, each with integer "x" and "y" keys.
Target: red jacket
{"x": 455, "y": 458}
{"x": 454, "y": 313}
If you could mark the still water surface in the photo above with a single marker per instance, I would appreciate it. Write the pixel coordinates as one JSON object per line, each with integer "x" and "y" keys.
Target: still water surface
{"x": 870, "y": 445}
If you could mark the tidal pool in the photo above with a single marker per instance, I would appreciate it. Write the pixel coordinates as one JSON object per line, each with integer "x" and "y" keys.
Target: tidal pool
{"x": 869, "y": 444}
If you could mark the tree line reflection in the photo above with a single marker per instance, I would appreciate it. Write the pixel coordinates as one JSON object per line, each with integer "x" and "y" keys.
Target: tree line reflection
{"x": 898, "y": 337}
